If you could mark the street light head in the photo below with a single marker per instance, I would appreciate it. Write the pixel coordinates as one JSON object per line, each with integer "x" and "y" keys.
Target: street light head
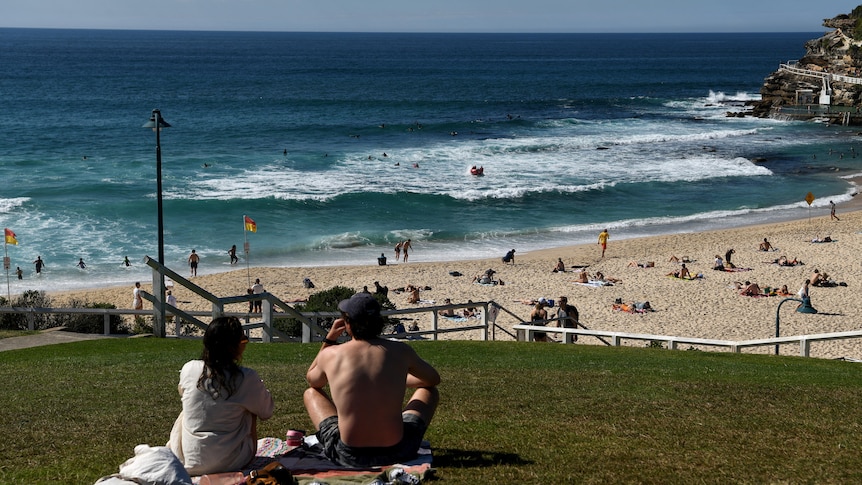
{"x": 152, "y": 122}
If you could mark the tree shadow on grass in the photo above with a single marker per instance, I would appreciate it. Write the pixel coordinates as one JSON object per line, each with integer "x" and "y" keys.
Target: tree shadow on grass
{"x": 453, "y": 458}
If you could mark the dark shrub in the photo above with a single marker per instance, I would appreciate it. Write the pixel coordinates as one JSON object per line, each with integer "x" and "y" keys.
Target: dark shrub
{"x": 84, "y": 323}
{"x": 28, "y": 299}
{"x": 323, "y": 301}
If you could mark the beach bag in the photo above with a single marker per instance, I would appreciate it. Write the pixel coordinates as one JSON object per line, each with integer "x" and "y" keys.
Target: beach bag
{"x": 273, "y": 473}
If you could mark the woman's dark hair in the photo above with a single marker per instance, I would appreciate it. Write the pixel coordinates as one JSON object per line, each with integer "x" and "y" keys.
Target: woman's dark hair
{"x": 221, "y": 349}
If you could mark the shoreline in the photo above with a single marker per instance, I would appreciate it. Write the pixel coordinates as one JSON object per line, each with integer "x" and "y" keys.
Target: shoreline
{"x": 706, "y": 308}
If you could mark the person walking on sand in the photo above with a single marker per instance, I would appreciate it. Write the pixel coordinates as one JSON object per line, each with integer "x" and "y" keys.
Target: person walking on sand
{"x": 603, "y": 241}
{"x": 398, "y": 250}
{"x": 362, "y": 421}
{"x": 172, "y": 301}
{"x": 194, "y": 259}
{"x": 137, "y": 301}
{"x": 832, "y": 215}
{"x": 257, "y": 289}
{"x": 39, "y": 264}
{"x": 406, "y": 247}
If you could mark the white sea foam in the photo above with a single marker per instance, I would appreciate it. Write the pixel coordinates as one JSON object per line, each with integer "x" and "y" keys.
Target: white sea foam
{"x": 8, "y": 205}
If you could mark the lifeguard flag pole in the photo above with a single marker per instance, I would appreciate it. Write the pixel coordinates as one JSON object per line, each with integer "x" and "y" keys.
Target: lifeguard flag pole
{"x": 248, "y": 225}
{"x": 9, "y": 238}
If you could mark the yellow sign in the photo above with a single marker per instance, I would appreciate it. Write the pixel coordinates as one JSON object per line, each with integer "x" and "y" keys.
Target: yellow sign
{"x": 809, "y": 198}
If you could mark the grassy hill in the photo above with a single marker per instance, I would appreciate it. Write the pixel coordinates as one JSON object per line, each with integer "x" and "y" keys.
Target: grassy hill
{"x": 510, "y": 412}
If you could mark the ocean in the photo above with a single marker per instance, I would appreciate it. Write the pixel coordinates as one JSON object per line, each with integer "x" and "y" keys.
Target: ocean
{"x": 338, "y": 145}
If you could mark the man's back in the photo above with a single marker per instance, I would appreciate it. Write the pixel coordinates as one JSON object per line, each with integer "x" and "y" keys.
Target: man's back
{"x": 368, "y": 380}
{"x": 361, "y": 422}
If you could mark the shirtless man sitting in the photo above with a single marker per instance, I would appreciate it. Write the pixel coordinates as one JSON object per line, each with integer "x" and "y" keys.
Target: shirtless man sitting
{"x": 750, "y": 289}
{"x": 362, "y": 424}
{"x": 560, "y": 267}
{"x": 583, "y": 277}
{"x": 765, "y": 245}
{"x": 818, "y": 278}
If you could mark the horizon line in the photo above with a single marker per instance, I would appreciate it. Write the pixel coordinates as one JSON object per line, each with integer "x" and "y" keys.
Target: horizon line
{"x": 410, "y": 32}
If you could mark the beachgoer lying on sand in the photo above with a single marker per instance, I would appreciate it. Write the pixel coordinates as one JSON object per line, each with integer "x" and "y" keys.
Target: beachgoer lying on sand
{"x": 783, "y": 291}
{"x": 750, "y": 289}
{"x": 624, "y": 307}
{"x": 766, "y": 245}
{"x": 783, "y": 261}
{"x": 684, "y": 259}
{"x": 636, "y": 264}
{"x": 560, "y": 267}
{"x": 607, "y": 279}
{"x": 824, "y": 240}
{"x": 632, "y": 307}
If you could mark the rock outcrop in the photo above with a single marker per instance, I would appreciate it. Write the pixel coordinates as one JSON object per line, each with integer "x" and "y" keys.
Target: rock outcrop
{"x": 837, "y": 53}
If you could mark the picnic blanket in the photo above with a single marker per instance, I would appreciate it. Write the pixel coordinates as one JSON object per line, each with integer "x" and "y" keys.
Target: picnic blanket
{"x": 309, "y": 465}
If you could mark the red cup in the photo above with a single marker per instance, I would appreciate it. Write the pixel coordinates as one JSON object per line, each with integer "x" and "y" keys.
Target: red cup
{"x": 295, "y": 437}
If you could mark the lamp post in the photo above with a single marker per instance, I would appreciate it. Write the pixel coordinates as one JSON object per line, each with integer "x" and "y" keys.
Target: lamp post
{"x": 157, "y": 123}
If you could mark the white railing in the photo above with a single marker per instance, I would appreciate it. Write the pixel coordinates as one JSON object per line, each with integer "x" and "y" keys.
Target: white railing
{"x": 525, "y": 332}
{"x": 310, "y": 321}
{"x": 819, "y": 74}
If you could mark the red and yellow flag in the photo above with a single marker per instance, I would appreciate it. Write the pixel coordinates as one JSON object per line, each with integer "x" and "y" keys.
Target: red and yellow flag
{"x": 250, "y": 225}
{"x": 11, "y": 238}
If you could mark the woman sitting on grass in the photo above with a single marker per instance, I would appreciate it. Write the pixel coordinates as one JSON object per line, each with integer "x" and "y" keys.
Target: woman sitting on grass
{"x": 217, "y": 428}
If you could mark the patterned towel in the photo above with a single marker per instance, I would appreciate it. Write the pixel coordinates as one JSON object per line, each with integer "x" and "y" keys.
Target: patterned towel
{"x": 310, "y": 466}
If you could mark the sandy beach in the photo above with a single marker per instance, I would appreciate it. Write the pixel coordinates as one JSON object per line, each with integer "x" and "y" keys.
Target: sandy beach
{"x": 707, "y": 307}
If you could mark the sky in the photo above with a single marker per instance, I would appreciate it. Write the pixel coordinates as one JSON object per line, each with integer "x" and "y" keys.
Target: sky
{"x": 540, "y": 16}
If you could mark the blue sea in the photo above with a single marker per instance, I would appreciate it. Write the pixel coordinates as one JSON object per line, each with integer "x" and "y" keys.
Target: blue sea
{"x": 338, "y": 145}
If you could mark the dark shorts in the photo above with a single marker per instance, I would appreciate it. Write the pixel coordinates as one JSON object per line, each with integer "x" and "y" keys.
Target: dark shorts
{"x": 330, "y": 438}
{"x": 193, "y": 264}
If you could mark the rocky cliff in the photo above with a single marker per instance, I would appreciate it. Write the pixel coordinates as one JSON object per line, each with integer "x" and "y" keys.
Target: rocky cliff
{"x": 838, "y": 52}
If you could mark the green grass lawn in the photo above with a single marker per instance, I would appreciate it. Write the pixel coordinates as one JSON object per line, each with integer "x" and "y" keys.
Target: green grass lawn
{"x": 510, "y": 412}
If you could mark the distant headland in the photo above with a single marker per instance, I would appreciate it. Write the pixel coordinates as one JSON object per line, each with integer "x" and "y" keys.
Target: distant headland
{"x": 824, "y": 85}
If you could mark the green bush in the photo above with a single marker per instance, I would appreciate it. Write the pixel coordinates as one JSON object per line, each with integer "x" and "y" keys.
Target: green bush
{"x": 28, "y": 299}
{"x": 324, "y": 301}
{"x": 92, "y": 323}
{"x": 142, "y": 325}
